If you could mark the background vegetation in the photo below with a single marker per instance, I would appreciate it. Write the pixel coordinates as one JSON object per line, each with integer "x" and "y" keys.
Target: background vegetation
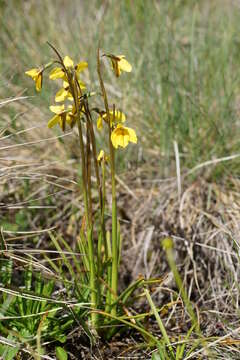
{"x": 185, "y": 83}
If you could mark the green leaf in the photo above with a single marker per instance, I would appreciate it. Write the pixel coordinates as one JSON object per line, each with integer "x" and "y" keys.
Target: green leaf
{"x": 61, "y": 353}
{"x": 8, "y": 352}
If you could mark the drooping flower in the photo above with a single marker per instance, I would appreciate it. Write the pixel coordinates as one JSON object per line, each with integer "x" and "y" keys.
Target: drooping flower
{"x": 59, "y": 117}
{"x": 62, "y": 116}
{"x": 37, "y": 75}
{"x": 65, "y": 93}
{"x": 121, "y": 136}
{"x": 118, "y": 118}
{"x": 119, "y": 64}
{"x": 59, "y": 73}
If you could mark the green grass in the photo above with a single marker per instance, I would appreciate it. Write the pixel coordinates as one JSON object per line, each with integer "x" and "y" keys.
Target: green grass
{"x": 185, "y": 54}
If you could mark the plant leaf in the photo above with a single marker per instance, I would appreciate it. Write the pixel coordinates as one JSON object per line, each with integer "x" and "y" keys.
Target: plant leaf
{"x": 61, "y": 353}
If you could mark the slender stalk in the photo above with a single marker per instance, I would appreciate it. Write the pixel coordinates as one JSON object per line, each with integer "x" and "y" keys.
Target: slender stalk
{"x": 94, "y": 153}
{"x": 160, "y": 323}
{"x": 103, "y": 204}
{"x": 168, "y": 246}
{"x": 94, "y": 317}
{"x": 114, "y": 200}
{"x": 102, "y": 235}
{"x": 114, "y": 224}
{"x": 109, "y": 274}
{"x": 89, "y": 182}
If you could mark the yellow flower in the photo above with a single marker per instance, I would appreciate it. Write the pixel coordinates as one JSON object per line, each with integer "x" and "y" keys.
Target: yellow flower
{"x": 65, "y": 93}
{"x": 36, "y": 74}
{"x": 59, "y": 118}
{"x": 81, "y": 66}
{"x": 62, "y": 116}
{"x": 102, "y": 156}
{"x": 59, "y": 73}
{"x": 119, "y": 64}
{"x": 119, "y": 118}
{"x": 122, "y": 135}
{"x": 68, "y": 62}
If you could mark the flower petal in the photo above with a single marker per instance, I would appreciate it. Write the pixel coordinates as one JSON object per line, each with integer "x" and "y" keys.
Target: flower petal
{"x": 124, "y": 65}
{"x": 57, "y": 109}
{"x": 57, "y": 73}
{"x": 38, "y": 82}
{"x": 81, "y": 66}
{"x": 61, "y": 95}
{"x": 53, "y": 121}
{"x": 132, "y": 135}
{"x": 121, "y": 136}
{"x": 33, "y": 73}
{"x": 68, "y": 62}
{"x": 119, "y": 116}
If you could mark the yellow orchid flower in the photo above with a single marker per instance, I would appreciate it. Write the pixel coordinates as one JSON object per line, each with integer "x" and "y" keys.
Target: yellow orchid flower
{"x": 62, "y": 116}
{"x": 65, "y": 93}
{"x": 119, "y": 118}
{"x": 119, "y": 64}
{"x": 122, "y": 135}
{"x": 37, "y": 75}
{"x": 59, "y": 73}
{"x": 68, "y": 62}
{"x": 59, "y": 118}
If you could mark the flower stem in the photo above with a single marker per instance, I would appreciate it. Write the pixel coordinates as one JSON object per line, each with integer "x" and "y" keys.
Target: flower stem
{"x": 114, "y": 226}
{"x": 86, "y": 206}
{"x": 94, "y": 154}
{"x": 114, "y": 200}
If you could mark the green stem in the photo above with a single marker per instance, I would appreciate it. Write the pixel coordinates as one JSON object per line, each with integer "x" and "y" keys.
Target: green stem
{"x": 103, "y": 206}
{"x": 160, "y": 323}
{"x": 168, "y": 246}
{"x": 94, "y": 294}
{"x": 114, "y": 228}
{"x": 109, "y": 274}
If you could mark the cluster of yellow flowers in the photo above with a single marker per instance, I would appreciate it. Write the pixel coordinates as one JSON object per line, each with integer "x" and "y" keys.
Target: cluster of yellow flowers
{"x": 72, "y": 107}
{"x": 69, "y": 74}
